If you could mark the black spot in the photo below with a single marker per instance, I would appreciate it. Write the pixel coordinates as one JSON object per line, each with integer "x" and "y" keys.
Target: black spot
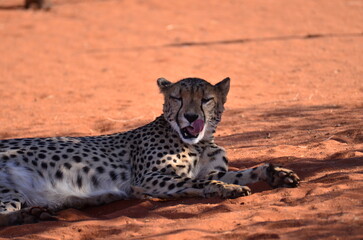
{"x": 162, "y": 184}
{"x": 67, "y": 165}
{"x": 44, "y": 165}
{"x": 52, "y": 164}
{"x": 5, "y": 191}
{"x": 180, "y": 166}
{"x": 113, "y": 175}
{"x": 52, "y": 148}
{"x": 171, "y": 186}
{"x": 96, "y": 159}
{"x": 94, "y": 181}
{"x": 160, "y": 155}
{"x": 55, "y": 158}
{"x": 41, "y": 155}
{"x": 122, "y": 153}
{"x": 253, "y": 175}
{"x": 180, "y": 184}
{"x": 35, "y": 163}
{"x": 79, "y": 181}
{"x": 123, "y": 176}
{"x": 225, "y": 160}
{"x": 221, "y": 174}
{"x": 85, "y": 169}
{"x": 77, "y": 159}
{"x": 59, "y": 174}
{"x": 100, "y": 169}
{"x": 149, "y": 179}
{"x": 70, "y": 150}
{"x": 236, "y": 182}
{"x": 155, "y": 182}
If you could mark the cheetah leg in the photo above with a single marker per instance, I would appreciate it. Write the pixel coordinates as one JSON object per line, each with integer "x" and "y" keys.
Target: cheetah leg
{"x": 164, "y": 186}
{"x": 26, "y": 215}
{"x": 10, "y": 200}
{"x": 275, "y": 176}
{"x": 11, "y": 211}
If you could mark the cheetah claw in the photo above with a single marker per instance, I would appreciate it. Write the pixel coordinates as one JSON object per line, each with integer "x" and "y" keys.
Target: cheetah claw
{"x": 282, "y": 177}
{"x": 224, "y": 190}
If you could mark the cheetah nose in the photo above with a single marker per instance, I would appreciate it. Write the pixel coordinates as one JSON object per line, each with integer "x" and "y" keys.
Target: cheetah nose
{"x": 191, "y": 117}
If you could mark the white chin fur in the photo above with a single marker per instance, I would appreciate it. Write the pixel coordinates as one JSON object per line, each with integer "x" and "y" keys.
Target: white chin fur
{"x": 175, "y": 126}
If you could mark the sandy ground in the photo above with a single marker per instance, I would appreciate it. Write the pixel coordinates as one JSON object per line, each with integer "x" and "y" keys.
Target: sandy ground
{"x": 90, "y": 67}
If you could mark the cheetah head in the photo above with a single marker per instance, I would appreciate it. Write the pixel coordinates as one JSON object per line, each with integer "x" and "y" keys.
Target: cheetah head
{"x": 193, "y": 107}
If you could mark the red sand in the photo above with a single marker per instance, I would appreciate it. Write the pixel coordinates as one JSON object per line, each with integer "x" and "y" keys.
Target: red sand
{"x": 90, "y": 67}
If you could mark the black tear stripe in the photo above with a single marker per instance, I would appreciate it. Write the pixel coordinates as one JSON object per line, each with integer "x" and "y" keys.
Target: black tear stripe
{"x": 201, "y": 107}
{"x": 177, "y": 114}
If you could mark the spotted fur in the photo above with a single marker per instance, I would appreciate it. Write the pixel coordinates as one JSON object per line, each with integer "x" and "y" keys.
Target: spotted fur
{"x": 39, "y": 175}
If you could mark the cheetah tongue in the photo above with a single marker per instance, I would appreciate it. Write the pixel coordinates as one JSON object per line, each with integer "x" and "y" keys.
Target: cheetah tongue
{"x": 196, "y": 127}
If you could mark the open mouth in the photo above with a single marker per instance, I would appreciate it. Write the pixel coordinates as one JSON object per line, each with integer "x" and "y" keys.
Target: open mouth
{"x": 193, "y": 130}
{"x": 187, "y": 133}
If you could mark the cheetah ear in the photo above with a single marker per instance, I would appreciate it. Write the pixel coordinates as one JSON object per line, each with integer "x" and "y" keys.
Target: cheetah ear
{"x": 163, "y": 84}
{"x": 223, "y": 88}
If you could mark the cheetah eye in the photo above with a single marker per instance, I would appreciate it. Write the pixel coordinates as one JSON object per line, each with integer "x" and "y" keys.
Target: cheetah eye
{"x": 206, "y": 100}
{"x": 175, "y": 98}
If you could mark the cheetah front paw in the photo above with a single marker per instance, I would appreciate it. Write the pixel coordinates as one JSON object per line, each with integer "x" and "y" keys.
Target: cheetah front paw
{"x": 282, "y": 177}
{"x": 225, "y": 190}
{"x": 26, "y": 215}
{"x": 36, "y": 214}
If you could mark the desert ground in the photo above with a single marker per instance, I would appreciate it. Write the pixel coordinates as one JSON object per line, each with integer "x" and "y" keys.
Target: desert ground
{"x": 89, "y": 67}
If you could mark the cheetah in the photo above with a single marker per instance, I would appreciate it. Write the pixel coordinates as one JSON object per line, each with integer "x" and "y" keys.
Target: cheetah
{"x": 172, "y": 157}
